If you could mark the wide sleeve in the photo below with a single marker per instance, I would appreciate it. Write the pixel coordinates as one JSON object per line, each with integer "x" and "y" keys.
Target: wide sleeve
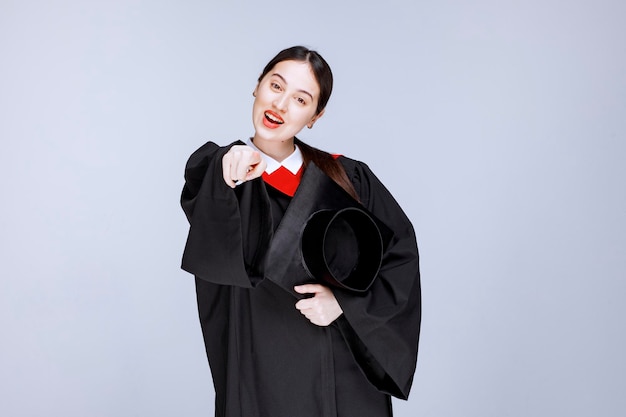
{"x": 382, "y": 326}
{"x": 220, "y": 247}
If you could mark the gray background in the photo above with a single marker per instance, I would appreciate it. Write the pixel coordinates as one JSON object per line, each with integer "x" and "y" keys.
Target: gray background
{"x": 499, "y": 126}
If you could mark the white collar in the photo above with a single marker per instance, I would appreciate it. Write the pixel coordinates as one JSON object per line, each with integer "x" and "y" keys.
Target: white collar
{"x": 293, "y": 162}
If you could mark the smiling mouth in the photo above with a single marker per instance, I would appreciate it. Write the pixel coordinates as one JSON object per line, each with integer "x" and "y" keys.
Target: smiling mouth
{"x": 273, "y": 118}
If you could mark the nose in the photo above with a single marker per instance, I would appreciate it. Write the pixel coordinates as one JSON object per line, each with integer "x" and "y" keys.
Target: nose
{"x": 280, "y": 102}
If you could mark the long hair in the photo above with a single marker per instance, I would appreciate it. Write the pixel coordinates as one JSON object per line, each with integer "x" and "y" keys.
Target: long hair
{"x": 329, "y": 166}
{"x": 324, "y": 77}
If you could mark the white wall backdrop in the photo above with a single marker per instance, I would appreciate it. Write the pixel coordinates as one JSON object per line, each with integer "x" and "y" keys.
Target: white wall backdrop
{"x": 499, "y": 126}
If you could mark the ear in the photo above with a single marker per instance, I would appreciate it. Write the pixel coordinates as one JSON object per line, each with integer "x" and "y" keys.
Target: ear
{"x": 256, "y": 88}
{"x": 315, "y": 119}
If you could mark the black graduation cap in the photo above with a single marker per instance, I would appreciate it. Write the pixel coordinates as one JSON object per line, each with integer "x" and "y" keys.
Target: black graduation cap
{"x": 343, "y": 248}
{"x": 326, "y": 236}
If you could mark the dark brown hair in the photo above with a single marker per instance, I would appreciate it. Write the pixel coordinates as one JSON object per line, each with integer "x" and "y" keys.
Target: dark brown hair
{"x": 324, "y": 77}
{"x": 321, "y": 70}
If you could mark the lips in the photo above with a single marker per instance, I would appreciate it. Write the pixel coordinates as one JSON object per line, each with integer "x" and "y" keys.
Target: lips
{"x": 272, "y": 120}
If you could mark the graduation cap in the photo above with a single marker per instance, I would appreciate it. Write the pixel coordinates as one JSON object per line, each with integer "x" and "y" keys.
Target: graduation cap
{"x": 326, "y": 236}
{"x": 343, "y": 248}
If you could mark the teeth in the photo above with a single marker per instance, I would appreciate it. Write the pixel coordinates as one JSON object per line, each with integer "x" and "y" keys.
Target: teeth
{"x": 273, "y": 119}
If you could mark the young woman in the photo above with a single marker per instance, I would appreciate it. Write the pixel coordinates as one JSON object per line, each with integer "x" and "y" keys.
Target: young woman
{"x": 280, "y": 341}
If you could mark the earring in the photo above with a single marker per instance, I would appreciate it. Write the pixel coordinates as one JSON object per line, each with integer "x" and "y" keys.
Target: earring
{"x": 254, "y": 94}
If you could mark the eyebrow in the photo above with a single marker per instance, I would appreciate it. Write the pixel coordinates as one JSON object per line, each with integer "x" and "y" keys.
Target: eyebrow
{"x": 285, "y": 81}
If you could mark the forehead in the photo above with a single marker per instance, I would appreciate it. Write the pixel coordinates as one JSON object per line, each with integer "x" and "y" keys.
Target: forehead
{"x": 298, "y": 75}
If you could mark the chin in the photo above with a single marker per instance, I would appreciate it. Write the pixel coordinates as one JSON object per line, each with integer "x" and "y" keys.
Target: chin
{"x": 272, "y": 136}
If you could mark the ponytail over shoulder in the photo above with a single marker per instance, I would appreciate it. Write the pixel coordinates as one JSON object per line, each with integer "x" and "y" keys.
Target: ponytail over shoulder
{"x": 329, "y": 166}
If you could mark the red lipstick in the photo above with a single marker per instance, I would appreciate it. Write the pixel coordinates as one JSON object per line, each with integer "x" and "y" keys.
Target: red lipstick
{"x": 272, "y": 120}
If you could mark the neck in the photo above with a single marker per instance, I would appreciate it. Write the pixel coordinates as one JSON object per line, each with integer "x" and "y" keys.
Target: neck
{"x": 277, "y": 150}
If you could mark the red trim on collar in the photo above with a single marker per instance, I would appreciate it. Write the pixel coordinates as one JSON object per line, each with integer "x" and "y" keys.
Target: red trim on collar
{"x": 283, "y": 180}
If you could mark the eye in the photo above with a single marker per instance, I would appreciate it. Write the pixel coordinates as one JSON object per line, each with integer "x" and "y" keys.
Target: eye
{"x": 300, "y": 100}
{"x": 275, "y": 86}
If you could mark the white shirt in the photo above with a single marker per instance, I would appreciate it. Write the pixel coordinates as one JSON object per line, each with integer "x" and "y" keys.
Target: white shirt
{"x": 293, "y": 162}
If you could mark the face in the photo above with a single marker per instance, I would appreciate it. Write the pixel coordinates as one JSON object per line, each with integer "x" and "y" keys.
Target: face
{"x": 286, "y": 101}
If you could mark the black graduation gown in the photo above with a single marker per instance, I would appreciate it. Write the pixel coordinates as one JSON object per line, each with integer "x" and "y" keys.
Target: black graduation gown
{"x": 266, "y": 358}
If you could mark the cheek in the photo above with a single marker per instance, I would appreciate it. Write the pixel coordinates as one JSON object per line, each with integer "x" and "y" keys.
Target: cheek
{"x": 258, "y": 107}
{"x": 302, "y": 113}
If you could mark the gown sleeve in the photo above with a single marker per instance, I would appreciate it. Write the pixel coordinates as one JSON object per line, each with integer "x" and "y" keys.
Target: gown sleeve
{"x": 382, "y": 326}
{"x": 214, "y": 250}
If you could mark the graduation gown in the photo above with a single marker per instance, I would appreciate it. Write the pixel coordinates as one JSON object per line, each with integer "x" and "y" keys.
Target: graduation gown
{"x": 266, "y": 358}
